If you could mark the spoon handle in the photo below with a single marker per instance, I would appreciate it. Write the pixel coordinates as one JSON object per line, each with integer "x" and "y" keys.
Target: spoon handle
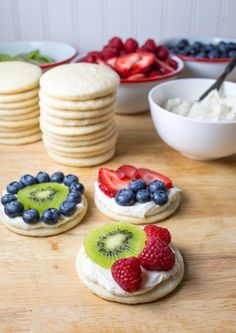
{"x": 217, "y": 84}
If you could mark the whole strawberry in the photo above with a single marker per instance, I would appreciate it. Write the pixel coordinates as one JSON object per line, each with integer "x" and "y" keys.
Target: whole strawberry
{"x": 157, "y": 255}
{"x": 154, "y": 231}
{"x": 127, "y": 273}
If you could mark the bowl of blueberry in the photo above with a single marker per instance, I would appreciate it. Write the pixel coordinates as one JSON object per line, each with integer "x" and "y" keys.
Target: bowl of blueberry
{"x": 203, "y": 56}
{"x": 140, "y": 67}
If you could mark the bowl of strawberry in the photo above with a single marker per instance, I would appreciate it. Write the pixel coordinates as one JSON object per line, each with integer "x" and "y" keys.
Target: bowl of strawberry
{"x": 140, "y": 68}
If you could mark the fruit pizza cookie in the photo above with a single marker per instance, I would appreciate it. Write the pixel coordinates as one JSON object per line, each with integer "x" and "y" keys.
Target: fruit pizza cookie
{"x": 135, "y": 195}
{"x": 43, "y": 205}
{"x": 123, "y": 263}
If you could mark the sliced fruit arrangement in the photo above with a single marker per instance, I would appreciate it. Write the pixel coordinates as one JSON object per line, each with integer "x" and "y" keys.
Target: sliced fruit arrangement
{"x": 129, "y": 250}
{"x": 128, "y": 185}
{"x": 133, "y": 61}
{"x": 43, "y": 198}
{"x": 198, "y": 49}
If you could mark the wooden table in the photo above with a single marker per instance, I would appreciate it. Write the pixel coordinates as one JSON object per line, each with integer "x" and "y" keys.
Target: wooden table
{"x": 39, "y": 288}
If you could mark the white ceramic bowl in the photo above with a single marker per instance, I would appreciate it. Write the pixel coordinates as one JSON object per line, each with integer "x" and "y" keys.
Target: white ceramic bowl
{"x": 133, "y": 95}
{"x": 61, "y": 52}
{"x": 206, "y": 68}
{"x": 196, "y": 139}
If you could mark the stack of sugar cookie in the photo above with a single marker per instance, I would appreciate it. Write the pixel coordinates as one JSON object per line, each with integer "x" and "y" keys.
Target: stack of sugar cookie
{"x": 19, "y": 103}
{"x": 77, "y": 103}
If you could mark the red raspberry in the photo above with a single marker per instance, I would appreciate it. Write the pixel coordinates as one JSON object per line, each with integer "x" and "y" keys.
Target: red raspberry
{"x": 172, "y": 63}
{"x": 150, "y": 45}
{"x": 130, "y": 45}
{"x": 154, "y": 73}
{"x": 127, "y": 273}
{"x": 117, "y": 43}
{"x": 109, "y": 52}
{"x": 154, "y": 231}
{"x": 162, "y": 53}
{"x": 157, "y": 255}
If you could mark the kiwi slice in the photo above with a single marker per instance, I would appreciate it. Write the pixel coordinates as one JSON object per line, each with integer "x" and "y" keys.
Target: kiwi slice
{"x": 111, "y": 242}
{"x": 43, "y": 196}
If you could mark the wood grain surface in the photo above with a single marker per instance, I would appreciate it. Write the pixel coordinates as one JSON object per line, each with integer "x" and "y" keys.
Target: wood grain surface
{"x": 39, "y": 288}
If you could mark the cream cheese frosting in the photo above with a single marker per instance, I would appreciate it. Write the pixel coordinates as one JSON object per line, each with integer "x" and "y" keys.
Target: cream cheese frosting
{"x": 214, "y": 107}
{"x": 18, "y": 221}
{"x": 103, "y": 276}
{"x": 137, "y": 210}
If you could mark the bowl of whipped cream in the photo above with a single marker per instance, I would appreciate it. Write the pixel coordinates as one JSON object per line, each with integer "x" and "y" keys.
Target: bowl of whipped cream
{"x": 203, "y": 130}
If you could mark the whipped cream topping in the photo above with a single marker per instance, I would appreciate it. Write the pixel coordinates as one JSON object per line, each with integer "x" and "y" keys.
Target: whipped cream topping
{"x": 103, "y": 276}
{"x": 138, "y": 210}
{"x": 18, "y": 221}
{"x": 214, "y": 107}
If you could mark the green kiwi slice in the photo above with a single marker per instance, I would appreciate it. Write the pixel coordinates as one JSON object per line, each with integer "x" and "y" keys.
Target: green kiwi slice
{"x": 43, "y": 196}
{"x": 114, "y": 241}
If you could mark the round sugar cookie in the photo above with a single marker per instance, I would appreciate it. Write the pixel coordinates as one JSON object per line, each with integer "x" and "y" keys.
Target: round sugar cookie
{"x": 81, "y": 138}
{"x": 43, "y": 232}
{"x": 11, "y": 98}
{"x": 19, "y": 105}
{"x": 72, "y": 130}
{"x": 147, "y": 220}
{"x": 19, "y": 123}
{"x": 17, "y": 76}
{"x": 20, "y": 117}
{"x": 74, "y": 122}
{"x": 91, "y": 104}
{"x": 83, "y": 162}
{"x": 19, "y": 133}
{"x": 154, "y": 294}
{"x": 66, "y": 114}
{"x": 80, "y": 143}
{"x": 79, "y": 81}
{"x": 27, "y": 109}
{"x": 105, "y": 145}
{"x": 24, "y": 140}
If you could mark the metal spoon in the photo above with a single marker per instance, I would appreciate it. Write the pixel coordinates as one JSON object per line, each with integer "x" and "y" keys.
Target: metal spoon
{"x": 217, "y": 84}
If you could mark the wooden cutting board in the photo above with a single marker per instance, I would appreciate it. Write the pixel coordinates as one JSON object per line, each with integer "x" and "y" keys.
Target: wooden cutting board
{"x": 39, "y": 289}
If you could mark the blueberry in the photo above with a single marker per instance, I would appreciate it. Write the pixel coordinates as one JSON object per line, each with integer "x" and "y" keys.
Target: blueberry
{"x": 14, "y": 208}
{"x": 27, "y": 180}
{"x": 75, "y": 197}
{"x": 214, "y": 54}
{"x": 31, "y": 216}
{"x": 201, "y": 55}
{"x": 57, "y": 177}
{"x": 143, "y": 196}
{"x": 160, "y": 198}
{"x": 68, "y": 208}
{"x": 77, "y": 187}
{"x": 183, "y": 43}
{"x": 42, "y": 177}
{"x": 69, "y": 179}
{"x": 137, "y": 185}
{"x": 8, "y": 198}
{"x": 232, "y": 54}
{"x": 156, "y": 185}
{"x": 50, "y": 216}
{"x": 125, "y": 197}
{"x": 14, "y": 187}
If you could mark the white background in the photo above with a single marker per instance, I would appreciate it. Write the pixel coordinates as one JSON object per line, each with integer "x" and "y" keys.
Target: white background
{"x": 88, "y": 24}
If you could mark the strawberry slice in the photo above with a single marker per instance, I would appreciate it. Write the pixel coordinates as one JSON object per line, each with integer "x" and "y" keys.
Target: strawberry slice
{"x": 126, "y": 172}
{"x": 137, "y": 76}
{"x": 145, "y": 61}
{"x": 111, "y": 62}
{"x": 125, "y": 63}
{"x": 149, "y": 175}
{"x": 109, "y": 183}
